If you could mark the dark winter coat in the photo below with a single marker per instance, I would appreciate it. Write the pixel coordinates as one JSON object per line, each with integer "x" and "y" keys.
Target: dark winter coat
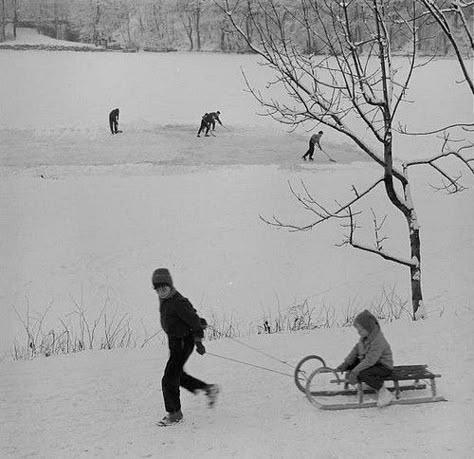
{"x": 114, "y": 115}
{"x": 213, "y": 117}
{"x": 315, "y": 138}
{"x": 370, "y": 350}
{"x": 179, "y": 318}
{"x": 208, "y": 118}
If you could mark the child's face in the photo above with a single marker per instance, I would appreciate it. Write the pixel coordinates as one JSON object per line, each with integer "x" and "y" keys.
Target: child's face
{"x": 363, "y": 333}
{"x": 163, "y": 291}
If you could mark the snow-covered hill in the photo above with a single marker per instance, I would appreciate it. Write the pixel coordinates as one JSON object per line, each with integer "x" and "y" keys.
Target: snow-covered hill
{"x": 104, "y": 404}
{"x": 86, "y": 217}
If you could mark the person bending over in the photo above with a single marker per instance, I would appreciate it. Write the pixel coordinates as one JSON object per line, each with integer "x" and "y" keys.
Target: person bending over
{"x": 314, "y": 140}
{"x": 113, "y": 120}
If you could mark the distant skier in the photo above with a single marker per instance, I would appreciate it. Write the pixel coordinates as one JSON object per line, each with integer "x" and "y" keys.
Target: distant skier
{"x": 315, "y": 139}
{"x": 215, "y": 117}
{"x": 184, "y": 329}
{"x": 113, "y": 120}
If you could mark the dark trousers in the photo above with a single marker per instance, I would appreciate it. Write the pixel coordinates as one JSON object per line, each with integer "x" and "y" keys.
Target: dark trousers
{"x": 373, "y": 376}
{"x": 113, "y": 125}
{"x": 174, "y": 375}
{"x": 310, "y": 151}
{"x": 203, "y": 126}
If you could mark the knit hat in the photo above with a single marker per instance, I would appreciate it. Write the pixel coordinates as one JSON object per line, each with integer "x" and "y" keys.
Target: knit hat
{"x": 367, "y": 321}
{"x": 161, "y": 276}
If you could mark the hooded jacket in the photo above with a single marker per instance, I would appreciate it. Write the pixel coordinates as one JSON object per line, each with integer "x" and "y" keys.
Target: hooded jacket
{"x": 370, "y": 350}
{"x": 179, "y": 318}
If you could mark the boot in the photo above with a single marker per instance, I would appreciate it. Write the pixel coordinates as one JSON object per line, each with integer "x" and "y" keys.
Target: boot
{"x": 212, "y": 391}
{"x": 384, "y": 397}
{"x": 171, "y": 419}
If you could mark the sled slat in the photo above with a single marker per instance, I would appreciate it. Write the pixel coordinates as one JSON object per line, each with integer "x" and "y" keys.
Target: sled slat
{"x": 330, "y": 393}
{"x": 352, "y": 406}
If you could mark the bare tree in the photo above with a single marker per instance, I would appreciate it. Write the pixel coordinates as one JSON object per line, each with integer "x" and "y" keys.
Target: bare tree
{"x": 15, "y": 8}
{"x": 197, "y": 22}
{"x": 460, "y": 14}
{"x": 187, "y": 21}
{"x": 160, "y": 23}
{"x": 190, "y": 14}
{"x": 3, "y": 20}
{"x": 354, "y": 88}
{"x": 96, "y": 10}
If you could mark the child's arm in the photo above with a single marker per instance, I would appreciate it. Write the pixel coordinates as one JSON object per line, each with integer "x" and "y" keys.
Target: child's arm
{"x": 373, "y": 355}
{"x": 188, "y": 314}
{"x": 349, "y": 360}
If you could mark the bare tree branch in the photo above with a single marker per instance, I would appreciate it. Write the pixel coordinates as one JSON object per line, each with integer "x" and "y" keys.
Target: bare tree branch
{"x": 323, "y": 214}
{"x": 377, "y": 251}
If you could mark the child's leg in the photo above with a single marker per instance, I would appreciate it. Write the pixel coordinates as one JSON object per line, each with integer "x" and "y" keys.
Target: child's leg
{"x": 187, "y": 381}
{"x": 374, "y": 376}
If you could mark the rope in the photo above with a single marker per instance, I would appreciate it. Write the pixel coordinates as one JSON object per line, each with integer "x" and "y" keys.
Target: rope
{"x": 258, "y": 350}
{"x": 264, "y": 353}
{"x": 249, "y": 364}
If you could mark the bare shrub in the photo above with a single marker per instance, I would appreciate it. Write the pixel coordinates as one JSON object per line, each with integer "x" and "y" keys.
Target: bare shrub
{"x": 80, "y": 331}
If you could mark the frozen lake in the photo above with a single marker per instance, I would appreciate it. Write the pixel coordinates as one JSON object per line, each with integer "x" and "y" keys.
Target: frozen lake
{"x": 47, "y": 90}
{"x": 86, "y": 217}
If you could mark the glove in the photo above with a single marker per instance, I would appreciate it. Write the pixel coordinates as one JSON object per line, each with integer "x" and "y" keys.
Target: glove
{"x": 341, "y": 368}
{"x": 200, "y": 349}
{"x": 353, "y": 379}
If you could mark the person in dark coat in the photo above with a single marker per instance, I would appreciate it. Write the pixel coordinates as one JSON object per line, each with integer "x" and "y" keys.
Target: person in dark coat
{"x": 214, "y": 116}
{"x": 314, "y": 140}
{"x": 185, "y": 330}
{"x": 206, "y": 123}
{"x": 113, "y": 120}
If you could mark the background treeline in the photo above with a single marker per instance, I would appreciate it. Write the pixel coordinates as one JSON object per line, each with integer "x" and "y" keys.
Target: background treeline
{"x": 194, "y": 25}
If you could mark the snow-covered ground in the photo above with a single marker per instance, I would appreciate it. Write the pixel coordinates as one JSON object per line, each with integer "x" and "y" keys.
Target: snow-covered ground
{"x": 28, "y": 36}
{"x": 104, "y": 404}
{"x": 86, "y": 217}
{"x": 93, "y": 233}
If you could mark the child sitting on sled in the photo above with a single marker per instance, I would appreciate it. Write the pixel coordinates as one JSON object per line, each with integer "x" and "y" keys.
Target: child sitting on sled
{"x": 370, "y": 361}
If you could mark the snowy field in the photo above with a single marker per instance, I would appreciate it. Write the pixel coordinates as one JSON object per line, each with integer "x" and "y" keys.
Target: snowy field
{"x": 86, "y": 217}
{"x": 104, "y": 404}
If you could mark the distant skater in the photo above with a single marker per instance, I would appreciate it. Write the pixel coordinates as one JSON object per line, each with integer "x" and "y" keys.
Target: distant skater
{"x": 113, "y": 120}
{"x": 206, "y": 121}
{"x": 215, "y": 117}
{"x": 314, "y": 140}
{"x": 184, "y": 329}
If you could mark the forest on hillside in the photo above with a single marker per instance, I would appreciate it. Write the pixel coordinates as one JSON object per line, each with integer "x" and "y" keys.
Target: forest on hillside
{"x": 202, "y": 25}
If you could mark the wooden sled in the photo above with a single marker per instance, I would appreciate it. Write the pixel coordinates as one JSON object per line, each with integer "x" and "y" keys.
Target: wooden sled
{"x": 327, "y": 391}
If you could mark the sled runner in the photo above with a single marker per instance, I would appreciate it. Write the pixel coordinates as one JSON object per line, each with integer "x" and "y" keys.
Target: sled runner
{"x": 326, "y": 390}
